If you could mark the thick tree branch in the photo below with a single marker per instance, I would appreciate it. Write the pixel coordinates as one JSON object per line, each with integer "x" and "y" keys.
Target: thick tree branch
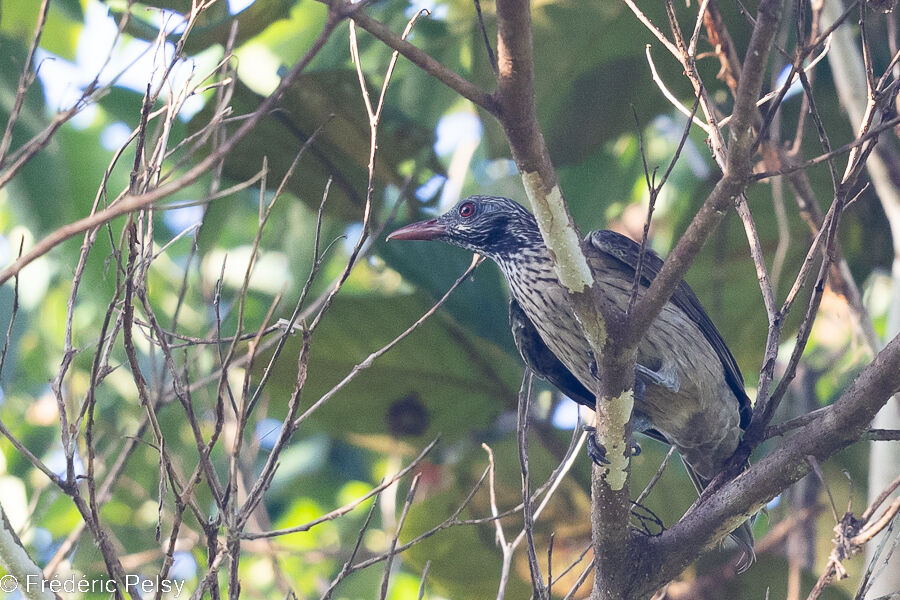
{"x": 518, "y": 115}
{"x": 838, "y": 426}
{"x": 738, "y": 173}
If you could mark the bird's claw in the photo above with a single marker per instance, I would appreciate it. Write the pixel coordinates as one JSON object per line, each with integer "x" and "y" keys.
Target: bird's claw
{"x": 597, "y": 452}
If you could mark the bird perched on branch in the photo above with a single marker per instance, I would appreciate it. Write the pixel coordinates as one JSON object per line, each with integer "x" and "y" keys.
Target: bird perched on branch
{"x": 688, "y": 389}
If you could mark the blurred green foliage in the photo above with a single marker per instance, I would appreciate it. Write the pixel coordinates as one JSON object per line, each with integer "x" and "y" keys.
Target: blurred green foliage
{"x": 456, "y": 376}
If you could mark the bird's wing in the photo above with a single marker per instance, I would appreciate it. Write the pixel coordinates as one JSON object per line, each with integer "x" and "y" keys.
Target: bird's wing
{"x": 544, "y": 364}
{"x": 541, "y": 360}
{"x": 627, "y": 251}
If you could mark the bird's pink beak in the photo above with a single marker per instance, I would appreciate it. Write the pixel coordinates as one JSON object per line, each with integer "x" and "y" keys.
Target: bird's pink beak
{"x": 423, "y": 230}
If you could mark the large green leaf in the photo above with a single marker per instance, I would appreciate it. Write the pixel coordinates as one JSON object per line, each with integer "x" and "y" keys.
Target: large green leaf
{"x": 479, "y": 304}
{"x": 454, "y": 381}
{"x": 213, "y": 26}
{"x": 331, "y": 100}
{"x": 60, "y": 32}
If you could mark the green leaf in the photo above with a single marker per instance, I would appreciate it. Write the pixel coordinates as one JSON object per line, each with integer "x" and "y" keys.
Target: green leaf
{"x": 213, "y": 26}
{"x": 331, "y": 100}
{"x": 454, "y": 381}
{"x": 61, "y": 29}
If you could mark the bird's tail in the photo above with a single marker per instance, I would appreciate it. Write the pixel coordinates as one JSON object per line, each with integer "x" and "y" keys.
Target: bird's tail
{"x": 742, "y": 536}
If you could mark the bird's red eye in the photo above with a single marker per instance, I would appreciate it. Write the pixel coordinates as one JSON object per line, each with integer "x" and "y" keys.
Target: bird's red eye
{"x": 467, "y": 210}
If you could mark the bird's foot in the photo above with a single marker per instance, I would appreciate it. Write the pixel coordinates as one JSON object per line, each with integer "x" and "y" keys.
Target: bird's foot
{"x": 597, "y": 452}
{"x": 666, "y": 377}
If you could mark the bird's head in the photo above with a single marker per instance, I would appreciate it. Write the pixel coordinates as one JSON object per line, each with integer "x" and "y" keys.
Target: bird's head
{"x": 489, "y": 225}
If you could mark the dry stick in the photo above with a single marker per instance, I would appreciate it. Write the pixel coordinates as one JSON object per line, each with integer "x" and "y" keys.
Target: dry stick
{"x": 500, "y": 536}
{"x": 429, "y": 65}
{"x": 783, "y": 428}
{"x": 69, "y": 449}
{"x": 841, "y": 425}
{"x": 550, "y": 565}
{"x": 167, "y": 470}
{"x": 90, "y": 398}
{"x": 784, "y": 233}
{"x": 374, "y": 117}
{"x": 105, "y": 493}
{"x": 852, "y": 534}
{"x": 871, "y": 134}
{"x": 93, "y": 92}
{"x": 878, "y": 501}
{"x": 574, "y": 564}
{"x": 550, "y": 486}
{"x": 96, "y": 376}
{"x": 290, "y": 423}
{"x": 310, "y": 278}
{"x": 235, "y": 517}
{"x": 484, "y": 35}
{"x": 254, "y": 496}
{"x": 870, "y": 575}
{"x": 765, "y": 409}
{"x": 88, "y": 243}
{"x": 182, "y": 392}
{"x": 553, "y": 482}
{"x": 667, "y": 93}
{"x": 12, "y": 317}
{"x": 34, "y": 460}
{"x": 421, "y": 595}
{"x": 26, "y": 79}
{"x": 223, "y": 88}
{"x": 369, "y": 360}
{"x": 338, "y": 512}
{"x": 386, "y": 576}
{"x": 580, "y": 581}
{"x": 654, "y": 191}
{"x": 537, "y": 581}
{"x": 736, "y": 177}
{"x": 132, "y": 202}
{"x": 211, "y": 576}
{"x": 452, "y": 521}
{"x": 662, "y": 467}
{"x": 345, "y": 570}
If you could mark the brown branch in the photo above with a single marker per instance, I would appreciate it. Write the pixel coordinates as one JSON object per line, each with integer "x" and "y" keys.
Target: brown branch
{"x": 537, "y": 581}
{"x": 334, "y": 514}
{"x": 837, "y": 427}
{"x": 852, "y": 534}
{"x": 26, "y": 79}
{"x": 421, "y": 59}
{"x": 132, "y": 202}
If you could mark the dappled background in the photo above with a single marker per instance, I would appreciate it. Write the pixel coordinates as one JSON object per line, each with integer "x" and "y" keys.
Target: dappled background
{"x": 456, "y": 376}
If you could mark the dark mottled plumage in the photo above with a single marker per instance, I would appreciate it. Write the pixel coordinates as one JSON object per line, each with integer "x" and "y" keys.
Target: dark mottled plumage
{"x": 689, "y": 390}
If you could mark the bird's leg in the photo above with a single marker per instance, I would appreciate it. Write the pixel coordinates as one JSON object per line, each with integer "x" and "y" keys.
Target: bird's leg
{"x": 639, "y": 422}
{"x": 666, "y": 377}
{"x": 595, "y": 451}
